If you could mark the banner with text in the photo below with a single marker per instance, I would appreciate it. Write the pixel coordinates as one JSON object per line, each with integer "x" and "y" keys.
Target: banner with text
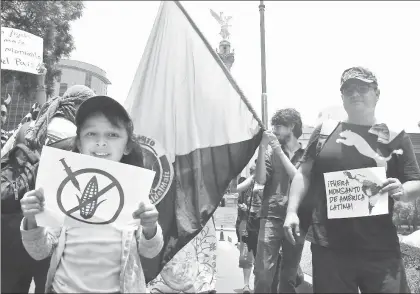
{"x": 355, "y": 193}
{"x": 20, "y": 50}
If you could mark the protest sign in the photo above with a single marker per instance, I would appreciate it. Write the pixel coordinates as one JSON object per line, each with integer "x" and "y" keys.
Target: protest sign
{"x": 20, "y": 50}
{"x": 355, "y": 193}
{"x": 83, "y": 190}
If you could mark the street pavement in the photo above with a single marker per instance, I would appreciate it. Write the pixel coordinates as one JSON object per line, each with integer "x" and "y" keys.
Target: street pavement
{"x": 229, "y": 275}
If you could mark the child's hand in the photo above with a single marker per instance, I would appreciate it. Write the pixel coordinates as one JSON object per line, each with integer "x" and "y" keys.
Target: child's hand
{"x": 32, "y": 202}
{"x": 148, "y": 215}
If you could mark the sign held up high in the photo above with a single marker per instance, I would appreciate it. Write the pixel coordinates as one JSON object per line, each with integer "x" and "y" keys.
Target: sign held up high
{"x": 20, "y": 50}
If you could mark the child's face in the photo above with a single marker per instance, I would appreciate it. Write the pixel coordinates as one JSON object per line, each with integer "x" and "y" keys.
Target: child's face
{"x": 99, "y": 138}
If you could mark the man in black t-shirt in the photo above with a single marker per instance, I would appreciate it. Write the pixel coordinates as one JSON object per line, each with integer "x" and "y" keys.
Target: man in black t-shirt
{"x": 357, "y": 253}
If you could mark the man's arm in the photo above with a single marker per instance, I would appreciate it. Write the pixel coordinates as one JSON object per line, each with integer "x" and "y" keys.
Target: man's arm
{"x": 40, "y": 92}
{"x": 411, "y": 190}
{"x": 288, "y": 165}
{"x": 299, "y": 186}
{"x": 260, "y": 169}
{"x": 409, "y": 174}
{"x": 244, "y": 185}
{"x": 263, "y": 167}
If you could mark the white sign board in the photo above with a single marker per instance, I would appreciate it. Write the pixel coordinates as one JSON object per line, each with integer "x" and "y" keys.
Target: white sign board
{"x": 20, "y": 50}
{"x": 82, "y": 190}
{"x": 355, "y": 193}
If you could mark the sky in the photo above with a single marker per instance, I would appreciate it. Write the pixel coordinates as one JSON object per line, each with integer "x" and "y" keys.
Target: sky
{"x": 308, "y": 46}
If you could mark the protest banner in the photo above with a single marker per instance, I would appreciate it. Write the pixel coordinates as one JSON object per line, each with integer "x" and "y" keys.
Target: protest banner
{"x": 20, "y": 50}
{"x": 355, "y": 193}
{"x": 83, "y": 190}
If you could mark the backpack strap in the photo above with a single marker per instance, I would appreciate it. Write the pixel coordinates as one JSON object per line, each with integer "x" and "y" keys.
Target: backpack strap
{"x": 327, "y": 128}
{"x": 250, "y": 200}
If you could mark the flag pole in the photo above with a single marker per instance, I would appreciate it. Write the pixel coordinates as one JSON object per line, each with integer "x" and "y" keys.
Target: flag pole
{"x": 222, "y": 65}
{"x": 263, "y": 66}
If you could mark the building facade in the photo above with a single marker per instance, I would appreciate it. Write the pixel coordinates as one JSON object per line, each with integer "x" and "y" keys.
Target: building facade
{"x": 75, "y": 72}
{"x": 306, "y": 134}
{"x": 415, "y": 139}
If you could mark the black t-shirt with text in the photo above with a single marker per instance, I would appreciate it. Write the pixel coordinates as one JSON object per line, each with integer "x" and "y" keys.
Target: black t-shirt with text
{"x": 362, "y": 150}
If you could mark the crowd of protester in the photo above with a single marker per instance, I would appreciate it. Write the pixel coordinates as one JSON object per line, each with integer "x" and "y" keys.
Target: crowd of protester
{"x": 282, "y": 202}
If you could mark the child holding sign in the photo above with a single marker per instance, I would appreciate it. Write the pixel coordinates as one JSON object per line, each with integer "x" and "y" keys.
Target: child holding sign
{"x": 107, "y": 259}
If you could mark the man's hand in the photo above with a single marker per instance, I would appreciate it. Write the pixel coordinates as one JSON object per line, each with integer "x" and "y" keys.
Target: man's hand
{"x": 242, "y": 207}
{"x": 291, "y": 227}
{"x": 42, "y": 70}
{"x": 394, "y": 188}
{"x": 148, "y": 215}
{"x": 267, "y": 138}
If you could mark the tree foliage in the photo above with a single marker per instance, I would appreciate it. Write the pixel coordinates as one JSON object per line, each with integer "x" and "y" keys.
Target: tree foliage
{"x": 49, "y": 20}
{"x": 407, "y": 213}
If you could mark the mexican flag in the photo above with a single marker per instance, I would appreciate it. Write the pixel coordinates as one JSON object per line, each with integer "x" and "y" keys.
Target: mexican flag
{"x": 199, "y": 129}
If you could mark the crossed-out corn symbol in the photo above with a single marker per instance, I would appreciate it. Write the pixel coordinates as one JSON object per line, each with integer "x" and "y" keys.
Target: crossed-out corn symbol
{"x": 91, "y": 189}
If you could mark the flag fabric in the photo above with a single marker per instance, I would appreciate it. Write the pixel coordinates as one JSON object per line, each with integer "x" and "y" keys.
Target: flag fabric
{"x": 193, "y": 269}
{"x": 200, "y": 129}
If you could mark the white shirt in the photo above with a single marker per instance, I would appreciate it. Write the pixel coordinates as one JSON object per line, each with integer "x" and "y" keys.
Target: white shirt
{"x": 91, "y": 261}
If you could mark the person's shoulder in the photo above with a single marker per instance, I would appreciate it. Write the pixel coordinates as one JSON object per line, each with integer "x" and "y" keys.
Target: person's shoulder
{"x": 389, "y": 133}
{"x": 327, "y": 127}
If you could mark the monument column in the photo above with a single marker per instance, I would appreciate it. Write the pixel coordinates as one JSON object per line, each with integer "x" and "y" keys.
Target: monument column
{"x": 227, "y": 55}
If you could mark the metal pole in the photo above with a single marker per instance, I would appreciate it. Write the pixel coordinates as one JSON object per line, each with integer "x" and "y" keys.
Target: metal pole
{"x": 263, "y": 66}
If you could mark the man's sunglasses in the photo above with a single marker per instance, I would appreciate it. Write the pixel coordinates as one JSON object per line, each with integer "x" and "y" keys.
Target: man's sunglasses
{"x": 361, "y": 89}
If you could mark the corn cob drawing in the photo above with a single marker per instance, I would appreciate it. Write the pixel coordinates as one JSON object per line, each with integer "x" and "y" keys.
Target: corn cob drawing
{"x": 88, "y": 210}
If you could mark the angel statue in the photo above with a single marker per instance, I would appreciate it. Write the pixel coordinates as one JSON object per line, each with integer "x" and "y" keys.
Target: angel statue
{"x": 224, "y": 23}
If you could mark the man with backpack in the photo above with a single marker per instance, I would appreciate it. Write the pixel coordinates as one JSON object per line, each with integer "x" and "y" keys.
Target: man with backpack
{"x": 356, "y": 253}
{"x": 275, "y": 168}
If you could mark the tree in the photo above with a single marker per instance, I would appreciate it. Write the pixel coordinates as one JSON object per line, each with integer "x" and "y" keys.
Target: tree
{"x": 416, "y": 213}
{"x": 49, "y": 20}
{"x": 396, "y": 215}
{"x": 405, "y": 214}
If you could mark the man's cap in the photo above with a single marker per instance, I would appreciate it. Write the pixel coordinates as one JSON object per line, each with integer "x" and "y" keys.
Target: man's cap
{"x": 359, "y": 73}
{"x": 97, "y": 103}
